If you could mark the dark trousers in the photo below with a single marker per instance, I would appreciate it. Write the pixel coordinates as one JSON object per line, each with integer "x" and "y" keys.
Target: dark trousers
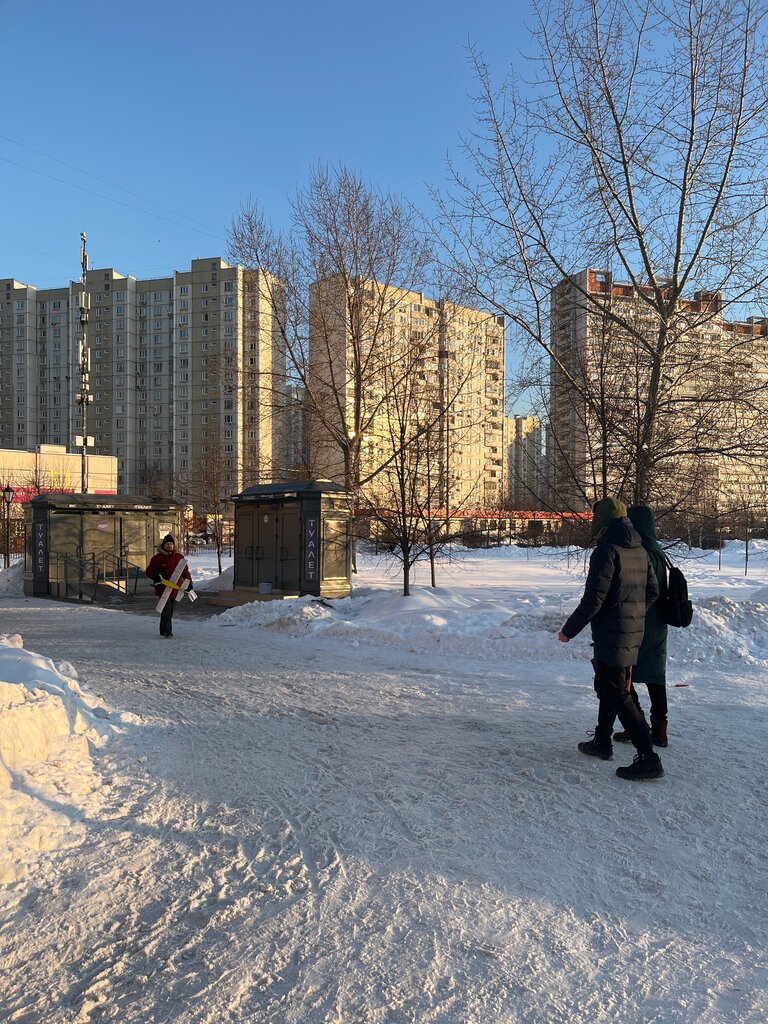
{"x": 166, "y": 618}
{"x": 612, "y": 686}
{"x": 658, "y": 694}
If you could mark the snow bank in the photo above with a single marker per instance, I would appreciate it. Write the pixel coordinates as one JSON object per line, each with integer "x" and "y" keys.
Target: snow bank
{"x": 46, "y": 725}
{"x": 492, "y": 621}
{"x": 12, "y": 580}
{"x": 204, "y": 581}
{"x": 723, "y": 632}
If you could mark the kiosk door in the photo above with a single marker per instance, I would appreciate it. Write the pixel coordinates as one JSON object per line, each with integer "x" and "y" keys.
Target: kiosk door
{"x": 268, "y": 562}
{"x": 65, "y": 538}
{"x": 101, "y": 544}
{"x": 245, "y": 544}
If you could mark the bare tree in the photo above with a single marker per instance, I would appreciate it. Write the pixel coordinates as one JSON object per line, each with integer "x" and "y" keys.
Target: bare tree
{"x": 351, "y": 274}
{"x": 428, "y": 387}
{"x": 350, "y": 249}
{"x": 633, "y": 149}
{"x": 207, "y": 489}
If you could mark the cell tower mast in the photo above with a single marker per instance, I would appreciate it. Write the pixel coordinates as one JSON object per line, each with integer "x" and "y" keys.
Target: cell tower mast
{"x": 84, "y": 396}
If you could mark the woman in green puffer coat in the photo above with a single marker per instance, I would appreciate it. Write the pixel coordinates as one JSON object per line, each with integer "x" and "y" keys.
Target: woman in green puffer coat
{"x": 651, "y": 667}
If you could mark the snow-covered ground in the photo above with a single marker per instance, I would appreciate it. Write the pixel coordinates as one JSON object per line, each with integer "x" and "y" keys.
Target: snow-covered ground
{"x": 373, "y": 810}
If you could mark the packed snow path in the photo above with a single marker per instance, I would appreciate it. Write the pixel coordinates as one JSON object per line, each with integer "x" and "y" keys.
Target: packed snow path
{"x": 301, "y": 831}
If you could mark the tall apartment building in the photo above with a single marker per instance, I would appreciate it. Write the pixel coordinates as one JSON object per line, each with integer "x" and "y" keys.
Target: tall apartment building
{"x": 525, "y": 476}
{"x": 424, "y": 364}
{"x": 187, "y": 374}
{"x": 715, "y": 395}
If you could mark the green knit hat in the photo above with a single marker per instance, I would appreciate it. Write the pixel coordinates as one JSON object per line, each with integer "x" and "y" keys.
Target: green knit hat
{"x": 604, "y": 512}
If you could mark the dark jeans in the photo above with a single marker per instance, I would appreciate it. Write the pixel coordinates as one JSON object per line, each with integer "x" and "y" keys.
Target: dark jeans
{"x": 166, "y": 618}
{"x": 612, "y": 686}
{"x": 658, "y": 694}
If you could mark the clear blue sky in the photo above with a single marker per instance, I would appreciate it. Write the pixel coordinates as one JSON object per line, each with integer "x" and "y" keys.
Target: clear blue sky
{"x": 197, "y": 106}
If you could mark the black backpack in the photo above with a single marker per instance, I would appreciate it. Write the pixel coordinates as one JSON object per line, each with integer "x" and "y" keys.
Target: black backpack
{"x": 674, "y": 607}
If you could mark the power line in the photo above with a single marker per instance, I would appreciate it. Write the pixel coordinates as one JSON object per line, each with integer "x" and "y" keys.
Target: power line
{"x": 40, "y": 252}
{"x": 105, "y": 181}
{"x": 109, "y": 199}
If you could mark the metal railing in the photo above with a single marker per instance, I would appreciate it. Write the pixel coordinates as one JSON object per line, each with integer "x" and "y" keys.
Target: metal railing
{"x": 79, "y": 575}
{"x": 121, "y": 574}
{"x": 82, "y": 575}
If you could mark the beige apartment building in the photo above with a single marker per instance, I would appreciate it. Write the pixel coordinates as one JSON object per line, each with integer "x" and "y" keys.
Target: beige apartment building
{"x": 714, "y": 418}
{"x": 52, "y": 468}
{"x": 405, "y": 371}
{"x": 526, "y": 478}
{"x": 187, "y": 375}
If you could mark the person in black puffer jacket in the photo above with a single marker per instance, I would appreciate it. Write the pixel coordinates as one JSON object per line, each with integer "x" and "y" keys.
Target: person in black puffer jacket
{"x": 651, "y": 665}
{"x": 620, "y": 585}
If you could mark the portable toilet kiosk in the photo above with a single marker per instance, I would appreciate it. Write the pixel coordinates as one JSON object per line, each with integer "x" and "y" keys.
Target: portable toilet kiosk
{"x": 76, "y": 543}
{"x": 293, "y": 539}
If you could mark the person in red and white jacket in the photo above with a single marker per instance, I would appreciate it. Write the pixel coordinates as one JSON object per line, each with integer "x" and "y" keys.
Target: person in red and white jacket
{"x": 160, "y": 568}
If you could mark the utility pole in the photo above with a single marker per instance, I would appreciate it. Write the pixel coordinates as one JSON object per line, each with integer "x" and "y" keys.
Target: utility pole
{"x": 84, "y": 396}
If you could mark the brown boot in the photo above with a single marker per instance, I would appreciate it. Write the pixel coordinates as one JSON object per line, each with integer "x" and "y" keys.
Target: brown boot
{"x": 623, "y": 736}
{"x": 658, "y": 732}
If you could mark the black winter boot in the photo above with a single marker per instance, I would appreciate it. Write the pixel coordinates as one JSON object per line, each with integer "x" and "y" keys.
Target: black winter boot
{"x": 595, "y": 749}
{"x": 644, "y": 766}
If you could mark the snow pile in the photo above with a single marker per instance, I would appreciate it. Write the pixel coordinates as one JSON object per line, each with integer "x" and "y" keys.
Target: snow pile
{"x": 12, "y": 580}
{"x": 46, "y": 725}
{"x": 293, "y": 616}
{"x": 723, "y": 631}
{"x": 484, "y": 626}
{"x": 203, "y": 580}
{"x": 429, "y": 618}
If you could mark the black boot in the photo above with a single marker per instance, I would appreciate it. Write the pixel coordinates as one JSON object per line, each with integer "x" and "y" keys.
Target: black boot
{"x": 595, "y": 749}
{"x": 659, "y": 732}
{"x": 644, "y": 766}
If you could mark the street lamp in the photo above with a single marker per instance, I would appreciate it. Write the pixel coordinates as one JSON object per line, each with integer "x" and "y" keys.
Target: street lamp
{"x": 8, "y": 493}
